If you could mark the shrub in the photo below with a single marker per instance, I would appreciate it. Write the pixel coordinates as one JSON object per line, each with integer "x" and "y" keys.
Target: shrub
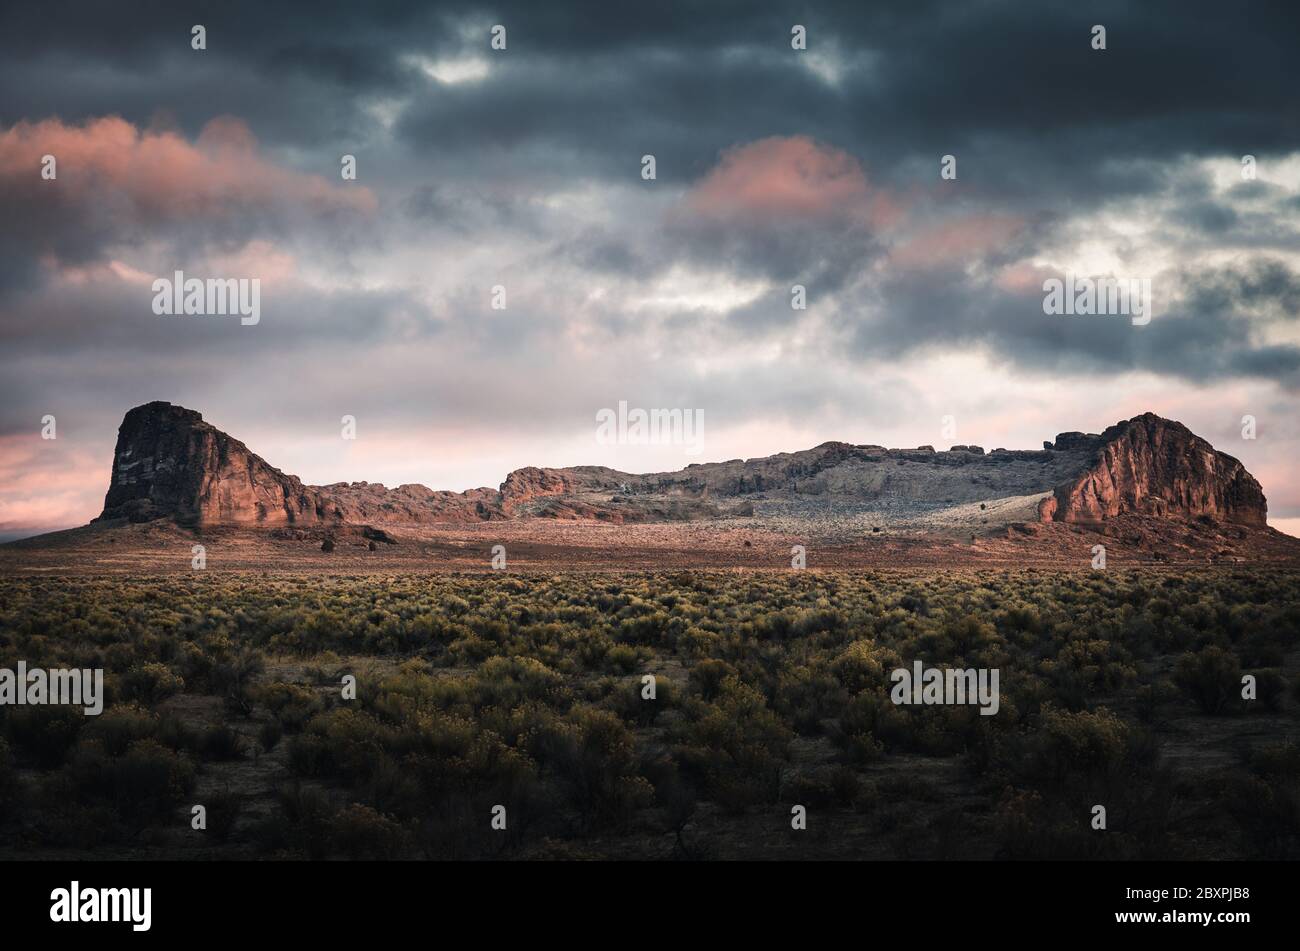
{"x": 858, "y": 667}
{"x": 359, "y": 832}
{"x": 814, "y": 791}
{"x": 1268, "y": 813}
{"x": 743, "y": 744}
{"x": 1077, "y": 745}
{"x": 629, "y": 702}
{"x": 154, "y": 776}
{"x": 622, "y": 658}
{"x": 1270, "y": 690}
{"x": 150, "y": 683}
{"x": 292, "y": 704}
{"x": 309, "y": 756}
{"x": 221, "y": 743}
{"x": 144, "y": 784}
{"x": 1212, "y": 678}
{"x": 44, "y": 733}
{"x": 1027, "y": 828}
{"x": 269, "y": 734}
{"x": 232, "y": 679}
{"x": 707, "y": 677}
{"x": 121, "y": 726}
{"x": 223, "y": 811}
{"x": 525, "y": 690}
{"x": 308, "y": 813}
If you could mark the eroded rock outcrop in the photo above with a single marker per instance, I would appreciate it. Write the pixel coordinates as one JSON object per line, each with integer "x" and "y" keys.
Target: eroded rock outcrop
{"x": 170, "y": 463}
{"x": 525, "y": 485}
{"x": 1153, "y": 466}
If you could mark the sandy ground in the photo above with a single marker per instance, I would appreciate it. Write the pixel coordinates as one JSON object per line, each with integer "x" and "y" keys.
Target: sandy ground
{"x": 765, "y": 543}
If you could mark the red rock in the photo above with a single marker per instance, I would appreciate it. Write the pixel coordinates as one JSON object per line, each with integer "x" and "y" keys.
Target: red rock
{"x": 170, "y": 463}
{"x": 1154, "y": 466}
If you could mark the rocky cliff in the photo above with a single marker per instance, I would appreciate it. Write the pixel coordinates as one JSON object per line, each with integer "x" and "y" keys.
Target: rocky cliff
{"x": 170, "y": 463}
{"x": 1153, "y": 466}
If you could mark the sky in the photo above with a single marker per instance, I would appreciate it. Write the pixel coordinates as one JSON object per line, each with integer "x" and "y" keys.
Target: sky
{"x": 521, "y": 169}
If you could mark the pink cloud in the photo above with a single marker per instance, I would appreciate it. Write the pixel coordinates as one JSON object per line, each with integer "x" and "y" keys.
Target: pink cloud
{"x": 797, "y": 178}
{"x": 780, "y": 177}
{"x": 261, "y": 258}
{"x": 959, "y": 240}
{"x": 141, "y": 177}
{"x": 50, "y": 484}
{"x": 1023, "y": 278}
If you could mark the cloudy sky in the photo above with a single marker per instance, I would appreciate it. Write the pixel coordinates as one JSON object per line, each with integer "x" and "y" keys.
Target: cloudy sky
{"x": 523, "y": 168}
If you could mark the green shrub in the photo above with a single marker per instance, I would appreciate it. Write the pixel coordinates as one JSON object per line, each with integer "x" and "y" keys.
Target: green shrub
{"x": 143, "y": 784}
{"x": 1212, "y": 678}
{"x": 221, "y": 742}
{"x": 360, "y": 832}
{"x": 269, "y": 734}
{"x": 150, "y": 683}
{"x": 308, "y": 814}
{"x": 44, "y": 734}
{"x": 1270, "y": 690}
{"x": 858, "y": 667}
{"x": 223, "y": 811}
{"x": 120, "y": 727}
{"x": 707, "y": 677}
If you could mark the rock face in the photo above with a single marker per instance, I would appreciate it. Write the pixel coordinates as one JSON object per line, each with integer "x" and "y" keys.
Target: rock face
{"x": 170, "y": 463}
{"x": 1152, "y": 466}
{"x": 525, "y": 485}
{"x": 370, "y": 503}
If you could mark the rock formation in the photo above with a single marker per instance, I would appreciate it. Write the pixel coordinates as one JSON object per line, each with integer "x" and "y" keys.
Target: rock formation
{"x": 170, "y": 463}
{"x": 1152, "y": 466}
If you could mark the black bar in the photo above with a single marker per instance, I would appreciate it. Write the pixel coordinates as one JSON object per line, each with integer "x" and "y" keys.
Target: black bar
{"x": 332, "y": 900}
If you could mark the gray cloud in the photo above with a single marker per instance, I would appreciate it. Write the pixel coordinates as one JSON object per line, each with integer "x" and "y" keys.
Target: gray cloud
{"x": 1207, "y": 332}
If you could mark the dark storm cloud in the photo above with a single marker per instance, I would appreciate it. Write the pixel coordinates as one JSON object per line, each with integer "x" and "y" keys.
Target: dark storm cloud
{"x": 1023, "y": 101}
{"x": 467, "y": 209}
{"x": 1032, "y": 113}
{"x": 293, "y": 71}
{"x": 1208, "y": 332}
{"x": 1261, "y": 288}
{"x": 790, "y": 251}
{"x": 1208, "y": 217}
{"x": 593, "y": 84}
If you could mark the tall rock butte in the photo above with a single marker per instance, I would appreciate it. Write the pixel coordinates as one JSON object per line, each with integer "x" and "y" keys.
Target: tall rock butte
{"x": 170, "y": 463}
{"x": 1152, "y": 466}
